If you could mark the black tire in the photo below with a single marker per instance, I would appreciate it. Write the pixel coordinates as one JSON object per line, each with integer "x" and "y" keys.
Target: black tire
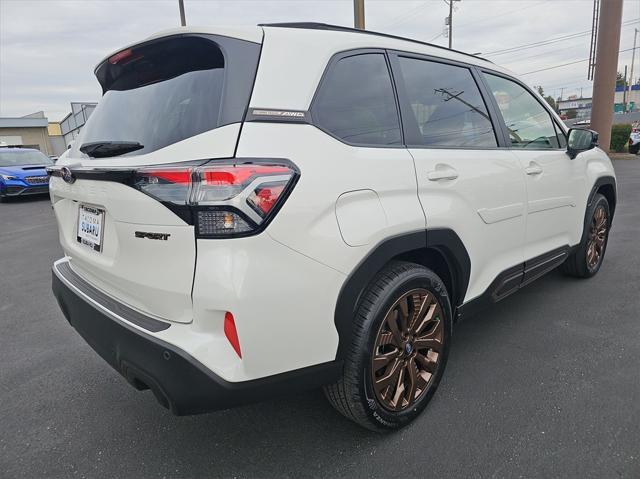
{"x": 577, "y": 264}
{"x": 3, "y": 199}
{"x": 354, "y": 395}
{"x": 633, "y": 149}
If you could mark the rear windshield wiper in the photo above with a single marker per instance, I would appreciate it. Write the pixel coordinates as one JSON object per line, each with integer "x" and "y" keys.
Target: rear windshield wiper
{"x": 103, "y": 149}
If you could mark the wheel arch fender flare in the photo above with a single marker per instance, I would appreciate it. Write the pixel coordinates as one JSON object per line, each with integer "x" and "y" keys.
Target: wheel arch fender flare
{"x": 607, "y": 186}
{"x": 443, "y": 241}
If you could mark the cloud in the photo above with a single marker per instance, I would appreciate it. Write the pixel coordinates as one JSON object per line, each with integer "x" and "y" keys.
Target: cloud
{"x": 48, "y": 48}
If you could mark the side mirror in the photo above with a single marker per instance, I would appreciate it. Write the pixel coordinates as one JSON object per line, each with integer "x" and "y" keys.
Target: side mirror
{"x": 581, "y": 140}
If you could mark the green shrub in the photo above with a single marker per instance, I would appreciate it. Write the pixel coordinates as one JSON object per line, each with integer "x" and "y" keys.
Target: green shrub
{"x": 620, "y": 137}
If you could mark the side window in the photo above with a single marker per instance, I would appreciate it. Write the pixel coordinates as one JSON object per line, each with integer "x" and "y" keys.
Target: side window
{"x": 447, "y": 105}
{"x": 356, "y": 102}
{"x": 529, "y": 124}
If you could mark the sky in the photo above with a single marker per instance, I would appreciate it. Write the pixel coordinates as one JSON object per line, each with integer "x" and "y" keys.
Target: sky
{"x": 49, "y": 48}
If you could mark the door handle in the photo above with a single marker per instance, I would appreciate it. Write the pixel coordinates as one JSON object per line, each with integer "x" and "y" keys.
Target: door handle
{"x": 533, "y": 169}
{"x": 442, "y": 173}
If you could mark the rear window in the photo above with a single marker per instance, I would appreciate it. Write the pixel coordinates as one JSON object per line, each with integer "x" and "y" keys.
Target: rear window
{"x": 167, "y": 90}
{"x": 356, "y": 102}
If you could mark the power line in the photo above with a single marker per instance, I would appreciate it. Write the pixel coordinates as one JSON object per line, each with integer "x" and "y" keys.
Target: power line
{"x": 503, "y": 14}
{"x": 566, "y": 64}
{"x": 536, "y": 55}
{"x": 550, "y": 41}
{"x": 555, "y": 66}
{"x": 537, "y": 44}
{"x": 404, "y": 17}
{"x": 484, "y": 19}
{"x": 566, "y": 85}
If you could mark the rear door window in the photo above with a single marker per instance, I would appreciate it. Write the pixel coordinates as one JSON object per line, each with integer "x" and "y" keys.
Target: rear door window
{"x": 171, "y": 89}
{"x": 356, "y": 102}
{"x": 446, "y": 105}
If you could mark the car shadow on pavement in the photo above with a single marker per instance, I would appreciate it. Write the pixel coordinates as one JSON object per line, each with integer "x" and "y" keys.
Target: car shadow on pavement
{"x": 277, "y": 438}
{"x": 107, "y": 429}
{"x": 25, "y": 199}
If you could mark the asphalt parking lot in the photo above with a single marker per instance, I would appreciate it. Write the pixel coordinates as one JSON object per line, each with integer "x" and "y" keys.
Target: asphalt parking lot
{"x": 544, "y": 384}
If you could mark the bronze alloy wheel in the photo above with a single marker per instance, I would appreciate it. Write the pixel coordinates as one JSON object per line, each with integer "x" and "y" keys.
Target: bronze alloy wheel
{"x": 597, "y": 237}
{"x": 407, "y": 349}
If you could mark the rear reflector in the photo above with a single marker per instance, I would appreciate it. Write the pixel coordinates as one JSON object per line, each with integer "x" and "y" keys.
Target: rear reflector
{"x": 231, "y": 333}
{"x": 225, "y": 200}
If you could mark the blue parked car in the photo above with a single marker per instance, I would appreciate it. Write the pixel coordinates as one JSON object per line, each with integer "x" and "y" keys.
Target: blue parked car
{"x": 23, "y": 172}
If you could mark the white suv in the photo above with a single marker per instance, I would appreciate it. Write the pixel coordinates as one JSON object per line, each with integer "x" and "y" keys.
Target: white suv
{"x": 259, "y": 210}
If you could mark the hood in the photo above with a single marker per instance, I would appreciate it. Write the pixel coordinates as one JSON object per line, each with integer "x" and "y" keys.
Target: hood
{"x": 23, "y": 171}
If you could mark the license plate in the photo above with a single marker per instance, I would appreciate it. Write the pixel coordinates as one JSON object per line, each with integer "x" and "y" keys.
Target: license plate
{"x": 90, "y": 224}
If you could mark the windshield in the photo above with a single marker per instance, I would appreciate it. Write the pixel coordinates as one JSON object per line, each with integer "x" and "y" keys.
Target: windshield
{"x": 167, "y": 90}
{"x": 23, "y": 158}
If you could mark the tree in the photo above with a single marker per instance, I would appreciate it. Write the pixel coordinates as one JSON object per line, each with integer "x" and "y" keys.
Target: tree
{"x": 548, "y": 98}
{"x": 620, "y": 81}
{"x": 551, "y": 102}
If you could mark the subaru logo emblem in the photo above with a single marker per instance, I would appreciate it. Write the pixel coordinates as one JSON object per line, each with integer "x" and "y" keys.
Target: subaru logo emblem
{"x": 67, "y": 175}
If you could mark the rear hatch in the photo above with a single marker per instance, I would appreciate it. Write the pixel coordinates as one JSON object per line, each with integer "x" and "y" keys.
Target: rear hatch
{"x": 169, "y": 102}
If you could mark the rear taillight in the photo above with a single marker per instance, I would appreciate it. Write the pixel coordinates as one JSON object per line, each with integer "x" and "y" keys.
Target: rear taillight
{"x": 222, "y": 199}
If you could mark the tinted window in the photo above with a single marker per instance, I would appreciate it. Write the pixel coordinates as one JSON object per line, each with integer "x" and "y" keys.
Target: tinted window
{"x": 447, "y": 105}
{"x": 528, "y": 122}
{"x": 165, "y": 91}
{"x": 356, "y": 101}
{"x": 562, "y": 139}
{"x": 17, "y": 157}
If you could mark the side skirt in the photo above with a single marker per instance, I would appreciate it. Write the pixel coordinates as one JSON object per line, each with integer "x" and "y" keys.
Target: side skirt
{"x": 514, "y": 278}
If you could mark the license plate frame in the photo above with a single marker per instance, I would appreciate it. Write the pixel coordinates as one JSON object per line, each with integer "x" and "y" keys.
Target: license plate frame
{"x": 87, "y": 235}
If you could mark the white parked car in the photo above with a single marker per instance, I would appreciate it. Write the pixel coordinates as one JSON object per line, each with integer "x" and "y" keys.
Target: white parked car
{"x": 255, "y": 211}
{"x": 634, "y": 138}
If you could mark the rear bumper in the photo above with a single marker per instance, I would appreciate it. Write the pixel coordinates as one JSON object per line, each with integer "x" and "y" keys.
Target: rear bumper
{"x": 178, "y": 381}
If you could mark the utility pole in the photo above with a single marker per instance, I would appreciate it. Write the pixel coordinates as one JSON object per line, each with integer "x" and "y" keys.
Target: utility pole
{"x": 358, "y": 14}
{"x": 183, "y": 19}
{"x": 624, "y": 89}
{"x": 606, "y": 69}
{"x": 633, "y": 57}
{"x": 449, "y": 21}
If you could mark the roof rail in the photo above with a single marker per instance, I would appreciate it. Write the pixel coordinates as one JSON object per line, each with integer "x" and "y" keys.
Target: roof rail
{"x": 339, "y": 28}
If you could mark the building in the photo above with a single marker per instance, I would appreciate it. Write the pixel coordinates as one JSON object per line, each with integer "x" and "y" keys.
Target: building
{"x": 622, "y": 96}
{"x": 56, "y": 139}
{"x": 582, "y": 107}
{"x": 51, "y": 138}
{"x": 30, "y": 131}
{"x": 71, "y": 125}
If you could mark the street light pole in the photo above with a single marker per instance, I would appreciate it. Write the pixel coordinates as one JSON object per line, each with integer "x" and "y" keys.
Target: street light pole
{"x": 358, "y": 14}
{"x": 183, "y": 19}
{"x": 606, "y": 69}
